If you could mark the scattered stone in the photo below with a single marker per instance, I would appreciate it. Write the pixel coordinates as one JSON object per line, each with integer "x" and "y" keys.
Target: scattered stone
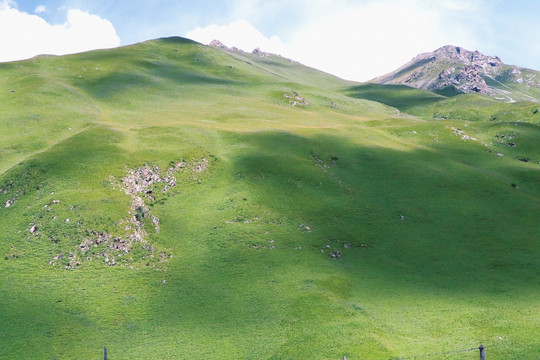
{"x": 201, "y": 166}
{"x": 511, "y": 144}
{"x": 155, "y": 220}
{"x": 525, "y": 159}
{"x": 164, "y": 281}
{"x": 346, "y": 245}
{"x": 460, "y": 133}
{"x": 335, "y": 254}
{"x": 295, "y": 99}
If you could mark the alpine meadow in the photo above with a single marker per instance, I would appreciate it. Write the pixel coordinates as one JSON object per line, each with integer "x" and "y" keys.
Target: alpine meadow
{"x": 171, "y": 200}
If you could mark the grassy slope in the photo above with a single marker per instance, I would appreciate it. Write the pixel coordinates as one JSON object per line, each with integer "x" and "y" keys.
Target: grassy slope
{"x": 246, "y": 279}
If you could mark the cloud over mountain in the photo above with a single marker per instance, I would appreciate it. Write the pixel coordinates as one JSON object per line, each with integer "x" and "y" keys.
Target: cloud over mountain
{"x": 240, "y": 34}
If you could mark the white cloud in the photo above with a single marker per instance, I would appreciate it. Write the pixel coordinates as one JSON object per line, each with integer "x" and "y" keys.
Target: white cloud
{"x": 240, "y": 34}
{"x": 40, "y": 9}
{"x": 23, "y": 35}
{"x": 372, "y": 39}
{"x": 6, "y": 4}
{"x": 366, "y": 39}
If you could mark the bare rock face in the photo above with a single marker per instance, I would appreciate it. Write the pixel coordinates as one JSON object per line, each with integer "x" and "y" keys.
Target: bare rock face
{"x": 465, "y": 80}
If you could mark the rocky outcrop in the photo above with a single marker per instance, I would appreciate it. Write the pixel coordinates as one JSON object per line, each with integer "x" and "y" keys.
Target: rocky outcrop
{"x": 131, "y": 245}
{"x": 465, "y": 80}
{"x": 141, "y": 184}
{"x": 218, "y": 44}
{"x": 260, "y": 53}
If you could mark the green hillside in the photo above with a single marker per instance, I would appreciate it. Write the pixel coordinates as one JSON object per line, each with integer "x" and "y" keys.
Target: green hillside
{"x": 170, "y": 200}
{"x": 426, "y": 104}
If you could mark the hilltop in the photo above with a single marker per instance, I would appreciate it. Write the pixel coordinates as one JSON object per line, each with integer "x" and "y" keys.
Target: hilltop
{"x": 172, "y": 200}
{"x": 453, "y": 69}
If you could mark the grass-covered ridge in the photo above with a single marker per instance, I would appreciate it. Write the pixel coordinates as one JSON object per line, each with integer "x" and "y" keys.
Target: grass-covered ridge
{"x": 355, "y": 223}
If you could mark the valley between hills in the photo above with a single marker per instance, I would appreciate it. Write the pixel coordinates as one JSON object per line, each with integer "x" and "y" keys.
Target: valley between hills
{"x": 171, "y": 200}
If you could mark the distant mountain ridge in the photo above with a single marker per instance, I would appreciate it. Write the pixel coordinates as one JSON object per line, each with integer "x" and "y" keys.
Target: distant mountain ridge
{"x": 453, "y": 69}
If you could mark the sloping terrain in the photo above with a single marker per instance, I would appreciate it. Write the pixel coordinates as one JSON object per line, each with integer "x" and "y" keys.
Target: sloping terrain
{"x": 453, "y": 70}
{"x": 172, "y": 200}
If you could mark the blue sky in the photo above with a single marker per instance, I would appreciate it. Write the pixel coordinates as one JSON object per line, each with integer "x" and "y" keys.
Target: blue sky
{"x": 354, "y": 39}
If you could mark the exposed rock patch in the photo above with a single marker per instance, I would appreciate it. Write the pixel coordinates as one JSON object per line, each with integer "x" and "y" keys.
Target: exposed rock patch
{"x": 141, "y": 184}
{"x": 461, "y": 134}
{"x": 130, "y": 246}
{"x": 295, "y": 99}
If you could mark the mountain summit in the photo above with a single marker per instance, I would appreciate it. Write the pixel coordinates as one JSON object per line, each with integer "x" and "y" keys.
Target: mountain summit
{"x": 453, "y": 69}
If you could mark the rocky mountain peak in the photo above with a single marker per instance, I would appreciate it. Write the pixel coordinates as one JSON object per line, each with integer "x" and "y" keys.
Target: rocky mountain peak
{"x": 464, "y": 71}
{"x": 472, "y": 58}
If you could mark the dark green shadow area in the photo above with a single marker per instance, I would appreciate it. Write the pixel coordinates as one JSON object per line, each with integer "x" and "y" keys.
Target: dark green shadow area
{"x": 118, "y": 85}
{"x": 452, "y": 211}
{"x": 399, "y": 96}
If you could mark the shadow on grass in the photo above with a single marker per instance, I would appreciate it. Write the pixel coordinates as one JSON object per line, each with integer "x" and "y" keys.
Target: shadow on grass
{"x": 408, "y": 224}
{"x": 430, "y": 219}
{"x": 117, "y": 84}
{"x": 399, "y": 96}
{"x": 413, "y": 222}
